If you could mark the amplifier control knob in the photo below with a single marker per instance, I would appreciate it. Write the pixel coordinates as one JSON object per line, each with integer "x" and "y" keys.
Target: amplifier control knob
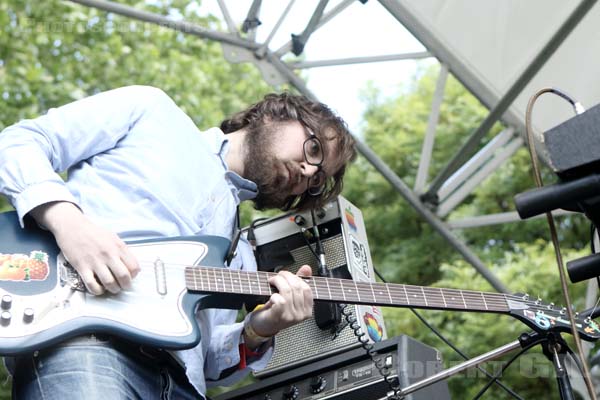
{"x": 28, "y": 315}
{"x": 6, "y": 302}
{"x": 267, "y": 397}
{"x": 5, "y": 317}
{"x": 317, "y": 384}
{"x": 291, "y": 393}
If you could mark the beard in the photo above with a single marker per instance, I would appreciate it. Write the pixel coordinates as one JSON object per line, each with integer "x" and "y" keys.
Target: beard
{"x": 261, "y": 166}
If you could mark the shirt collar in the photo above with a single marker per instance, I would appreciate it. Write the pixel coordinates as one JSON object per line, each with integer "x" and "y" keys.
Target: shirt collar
{"x": 219, "y": 145}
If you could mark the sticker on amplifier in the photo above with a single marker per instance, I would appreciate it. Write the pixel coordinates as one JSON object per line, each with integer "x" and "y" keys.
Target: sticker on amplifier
{"x": 350, "y": 218}
{"x": 22, "y": 267}
{"x": 374, "y": 327}
{"x": 359, "y": 256}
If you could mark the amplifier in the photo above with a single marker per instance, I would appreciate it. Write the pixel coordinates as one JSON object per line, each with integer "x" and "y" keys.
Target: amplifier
{"x": 283, "y": 243}
{"x": 573, "y": 147}
{"x": 353, "y": 376}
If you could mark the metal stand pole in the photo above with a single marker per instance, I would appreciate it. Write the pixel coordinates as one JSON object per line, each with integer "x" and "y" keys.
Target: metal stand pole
{"x": 498, "y": 352}
{"x": 554, "y": 349}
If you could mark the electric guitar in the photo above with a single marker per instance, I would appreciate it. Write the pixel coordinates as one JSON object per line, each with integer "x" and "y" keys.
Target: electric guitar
{"x": 44, "y": 301}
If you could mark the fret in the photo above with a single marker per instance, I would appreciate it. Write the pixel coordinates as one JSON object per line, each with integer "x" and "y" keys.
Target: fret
{"x": 356, "y": 290}
{"x": 215, "y": 281}
{"x": 496, "y": 301}
{"x": 406, "y": 295}
{"x": 340, "y": 283}
{"x": 424, "y": 297}
{"x": 223, "y": 280}
{"x": 463, "y": 298}
{"x": 443, "y": 297}
{"x": 219, "y": 280}
{"x": 366, "y": 290}
{"x": 484, "y": 302}
{"x": 472, "y": 300}
{"x": 433, "y": 297}
{"x": 208, "y": 280}
{"x": 452, "y": 299}
{"x": 389, "y": 294}
{"x": 314, "y": 285}
{"x": 416, "y": 295}
{"x": 249, "y": 282}
{"x": 204, "y": 279}
{"x": 378, "y": 294}
{"x": 196, "y": 280}
{"x": 239, "y": 278}
{"x": 257, "y": 283}
{"x": 329, "y": 290}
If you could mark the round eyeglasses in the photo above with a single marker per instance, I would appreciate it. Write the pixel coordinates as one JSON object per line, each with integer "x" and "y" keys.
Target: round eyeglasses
{"x": 313, "y": 153}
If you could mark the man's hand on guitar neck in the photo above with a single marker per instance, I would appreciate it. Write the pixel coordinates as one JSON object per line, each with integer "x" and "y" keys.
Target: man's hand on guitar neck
{"x": 100, "y": 257}
{"x": 293, "y": 303}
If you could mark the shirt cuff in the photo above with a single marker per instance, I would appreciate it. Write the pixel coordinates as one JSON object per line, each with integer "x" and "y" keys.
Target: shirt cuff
{"x": 228, "y": 354}
{"x": 41, "y": 193}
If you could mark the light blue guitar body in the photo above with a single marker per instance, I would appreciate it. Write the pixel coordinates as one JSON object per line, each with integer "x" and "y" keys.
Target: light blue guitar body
{"x": 44, "y": 301}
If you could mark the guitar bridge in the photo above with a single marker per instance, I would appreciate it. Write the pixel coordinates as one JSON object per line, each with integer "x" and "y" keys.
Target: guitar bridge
{"x": 69, "y": 276}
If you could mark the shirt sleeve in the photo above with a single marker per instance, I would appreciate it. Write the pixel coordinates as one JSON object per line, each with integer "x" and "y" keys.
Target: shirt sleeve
{"x": 223, "y": 357}
{"x": 34, "y": 151}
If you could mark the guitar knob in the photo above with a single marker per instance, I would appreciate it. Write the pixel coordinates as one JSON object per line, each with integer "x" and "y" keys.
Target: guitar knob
{"x": 28, "y": 315}
{"x": 5, "y": 317}
{"x": 6, "y": 302}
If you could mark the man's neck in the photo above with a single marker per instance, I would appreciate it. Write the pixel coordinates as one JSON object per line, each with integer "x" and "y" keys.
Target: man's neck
{"x": 235, "y": 155}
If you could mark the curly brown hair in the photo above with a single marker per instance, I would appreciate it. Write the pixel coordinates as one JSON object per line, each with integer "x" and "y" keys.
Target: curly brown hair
{"x": 317, "y": 117}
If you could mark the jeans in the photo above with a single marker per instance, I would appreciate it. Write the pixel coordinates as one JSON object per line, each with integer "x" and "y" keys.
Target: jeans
{"x": 92, "y": 368}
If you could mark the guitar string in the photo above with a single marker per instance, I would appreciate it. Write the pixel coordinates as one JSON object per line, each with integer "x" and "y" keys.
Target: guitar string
{"x": 414, "y": 295}
{"x": 493, "y": 300}
{"x": 217, "y": 275}
{"x": 437, "y": 298}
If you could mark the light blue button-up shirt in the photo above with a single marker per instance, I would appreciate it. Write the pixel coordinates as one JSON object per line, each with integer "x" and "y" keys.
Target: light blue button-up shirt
{"x": 138, "y": 166}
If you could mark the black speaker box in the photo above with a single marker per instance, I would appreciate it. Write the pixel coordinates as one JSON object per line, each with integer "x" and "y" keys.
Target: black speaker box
{"x": 353, "y": 376}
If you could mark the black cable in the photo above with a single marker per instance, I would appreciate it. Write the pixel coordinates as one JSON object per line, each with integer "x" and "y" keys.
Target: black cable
{"x": 576, "y": 360}
{"x": 363, "y": 340}
{"x": 499, "y": 374}
{"x": 379, "y": 363}
{"x": 310, "y": 246}
{"x": 251, "y": 237}
{"x": 452, "y": 346}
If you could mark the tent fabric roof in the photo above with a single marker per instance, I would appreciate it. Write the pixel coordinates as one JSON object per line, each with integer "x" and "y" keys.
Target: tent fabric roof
{"x": 496, "y": 41}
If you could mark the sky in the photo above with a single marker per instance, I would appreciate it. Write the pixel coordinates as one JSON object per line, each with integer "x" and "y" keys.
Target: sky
{"x": 359, "y": 30}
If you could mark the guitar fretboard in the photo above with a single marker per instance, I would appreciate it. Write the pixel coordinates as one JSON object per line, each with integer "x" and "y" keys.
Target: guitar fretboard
{"x": 221, "y": 280}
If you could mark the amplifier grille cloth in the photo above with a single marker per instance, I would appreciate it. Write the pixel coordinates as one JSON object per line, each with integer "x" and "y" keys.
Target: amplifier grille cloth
{"x": 305, "y": 342}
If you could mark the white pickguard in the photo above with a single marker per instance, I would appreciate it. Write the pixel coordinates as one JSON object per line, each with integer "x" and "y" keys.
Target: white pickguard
{"x": 151, "y": 307}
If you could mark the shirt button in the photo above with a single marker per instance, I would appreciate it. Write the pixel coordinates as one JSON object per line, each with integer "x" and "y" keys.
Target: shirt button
{"x": 228, "y": 346}
{"x": 228, "y": 360}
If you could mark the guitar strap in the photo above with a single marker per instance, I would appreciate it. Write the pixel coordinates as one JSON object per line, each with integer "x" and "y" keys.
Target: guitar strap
{"x": 235, "y": 238}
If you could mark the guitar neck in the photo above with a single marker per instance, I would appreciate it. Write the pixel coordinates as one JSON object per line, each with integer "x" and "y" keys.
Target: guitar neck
{"x": 221, "y": 280}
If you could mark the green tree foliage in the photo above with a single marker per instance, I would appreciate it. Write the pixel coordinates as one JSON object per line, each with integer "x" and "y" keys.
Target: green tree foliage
{"x": 54, "y": 52}
{"x": 407, "y": 250}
